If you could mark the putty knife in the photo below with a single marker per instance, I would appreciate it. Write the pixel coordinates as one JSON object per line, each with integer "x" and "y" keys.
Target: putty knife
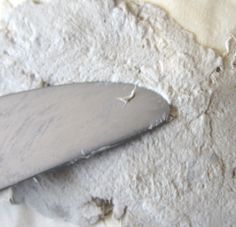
{"x": 45, "y": 128}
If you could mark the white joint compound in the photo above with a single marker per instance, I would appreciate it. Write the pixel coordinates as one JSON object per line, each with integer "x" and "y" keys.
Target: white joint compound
{"x": 180, "y": 175}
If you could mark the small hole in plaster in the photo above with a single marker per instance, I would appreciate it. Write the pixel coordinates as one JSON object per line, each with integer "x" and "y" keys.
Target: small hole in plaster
{"x": 234, "y": 173}
{"x": 45, "y": 84}
{"x": 234, "y": 63}
{"x": 218, "y": 69}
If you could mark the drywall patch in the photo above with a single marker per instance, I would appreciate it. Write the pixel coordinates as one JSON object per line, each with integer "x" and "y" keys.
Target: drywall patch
{"x": 180, "y": 174}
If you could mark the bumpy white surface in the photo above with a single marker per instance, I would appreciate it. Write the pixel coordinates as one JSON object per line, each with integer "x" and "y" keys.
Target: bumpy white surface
{"x": 183, "y": 174}
{"x": 212, "y": 21}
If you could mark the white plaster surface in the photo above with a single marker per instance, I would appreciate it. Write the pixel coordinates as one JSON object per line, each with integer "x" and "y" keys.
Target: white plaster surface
{"x": 181, "y": 175}
{"x": 212, "y": 21}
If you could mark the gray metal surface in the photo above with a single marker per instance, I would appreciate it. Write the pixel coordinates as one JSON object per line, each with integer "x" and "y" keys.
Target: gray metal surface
{"x": 45, "y": 128}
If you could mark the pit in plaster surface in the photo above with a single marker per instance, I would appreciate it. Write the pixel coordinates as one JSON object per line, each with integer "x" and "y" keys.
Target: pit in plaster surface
{"x": 180, "y": 174}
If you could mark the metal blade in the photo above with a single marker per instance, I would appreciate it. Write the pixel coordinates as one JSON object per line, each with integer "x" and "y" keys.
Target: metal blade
{"x": 45, "y": 128}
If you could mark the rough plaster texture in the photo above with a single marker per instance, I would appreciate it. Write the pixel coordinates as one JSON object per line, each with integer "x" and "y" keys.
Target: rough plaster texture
{"x": 181, "y": 175}
{"x": 213, "y": 21}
